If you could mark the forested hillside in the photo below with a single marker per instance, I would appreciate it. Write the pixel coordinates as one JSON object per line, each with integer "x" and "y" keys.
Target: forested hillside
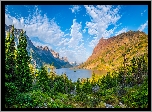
{"x": 109, "y": 53}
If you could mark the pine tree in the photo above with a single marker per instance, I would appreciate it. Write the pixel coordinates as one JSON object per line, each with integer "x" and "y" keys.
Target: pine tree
{"x": 93, "y": 78}
{"x": 78, "y": 89}
{"x": 24, "y": 79}
{"x": 10, "y": 88}
{"x": 43, "y": 80}
{"x": 10, "y": 55}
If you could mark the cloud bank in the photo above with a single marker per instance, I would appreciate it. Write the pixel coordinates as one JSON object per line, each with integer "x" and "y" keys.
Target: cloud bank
{"x": 102, "y": 16}
{"x": 50, "y": 34}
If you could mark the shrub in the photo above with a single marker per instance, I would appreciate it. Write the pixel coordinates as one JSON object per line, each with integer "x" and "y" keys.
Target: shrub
{"x": 137, "y": 97}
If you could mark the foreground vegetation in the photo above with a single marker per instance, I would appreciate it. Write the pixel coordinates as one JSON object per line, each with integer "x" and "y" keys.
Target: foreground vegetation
{"x": 28, "y": 87}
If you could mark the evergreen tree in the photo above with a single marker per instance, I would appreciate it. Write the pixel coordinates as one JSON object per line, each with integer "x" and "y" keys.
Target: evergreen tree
{"x": 10, "y": 88}
{"x": 93, "y": 79}
{"x": 87, "y": 86}
{"x": 24, "y": 79}
{"x": 10, "y": 56}
{"x": 78, "y": 89}
{"x": 43, "y": 80}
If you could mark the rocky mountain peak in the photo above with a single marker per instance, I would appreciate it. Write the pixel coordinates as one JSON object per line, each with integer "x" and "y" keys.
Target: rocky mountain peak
{"x": 55, "y": 54}
{"x": 40, "y": 47}
{"x": 45, "y": 48}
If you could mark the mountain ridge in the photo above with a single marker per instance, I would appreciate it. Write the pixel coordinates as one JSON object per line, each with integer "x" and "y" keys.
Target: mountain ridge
{"x": 107, "y": 54}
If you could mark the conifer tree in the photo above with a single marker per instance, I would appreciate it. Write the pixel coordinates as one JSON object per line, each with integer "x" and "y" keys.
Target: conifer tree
{"x": 10, "y": 88}
{"x": 9, "y": 55}
{"x": 24, "y": 79}
{"x": 43, "y": 80}
{"x": 93, "y": 79}
{"x": 78, "y": 89}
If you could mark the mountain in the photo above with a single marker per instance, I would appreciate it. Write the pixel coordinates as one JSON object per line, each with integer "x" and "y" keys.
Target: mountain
{"x": 40, "y": 55}
{"x": 107, "y": 55}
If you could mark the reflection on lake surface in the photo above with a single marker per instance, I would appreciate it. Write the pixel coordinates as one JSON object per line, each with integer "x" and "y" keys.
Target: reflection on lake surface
{"x": 80, "y": 73}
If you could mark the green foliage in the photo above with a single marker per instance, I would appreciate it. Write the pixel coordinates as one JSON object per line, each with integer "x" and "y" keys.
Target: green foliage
{"x": 110, "y": 99}
{"x": 87, "y": 87}
{"x": 24, "y": 79}
{"x": 102, "y": 60}
{"x": 43, "y": 81}
{"x": 78, "y": 84}
{"x": 108, "y": 81}
{"x": 137, "y": 97}
{"x": 10, "y": 76}
{"x": 93, "y": 79}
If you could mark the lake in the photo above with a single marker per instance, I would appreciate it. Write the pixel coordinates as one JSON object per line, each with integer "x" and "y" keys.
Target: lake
{"x": 80, "y": 73}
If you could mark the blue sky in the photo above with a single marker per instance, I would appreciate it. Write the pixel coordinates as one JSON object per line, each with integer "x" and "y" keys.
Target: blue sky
{"x": 74, "y": 30}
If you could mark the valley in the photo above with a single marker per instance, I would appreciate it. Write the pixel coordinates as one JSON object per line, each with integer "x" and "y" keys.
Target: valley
{"x": 123, "y": 58}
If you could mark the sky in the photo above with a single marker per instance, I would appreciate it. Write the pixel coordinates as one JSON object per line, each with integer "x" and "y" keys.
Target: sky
{"x": 74, "y": 30}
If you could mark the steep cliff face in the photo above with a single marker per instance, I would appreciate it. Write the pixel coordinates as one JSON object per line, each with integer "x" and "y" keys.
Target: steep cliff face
{"x": 40, "y": 55}
{"x": 107, "y": 55}
{"x": 50, "y": 56}
{"x": 55, "y": 54}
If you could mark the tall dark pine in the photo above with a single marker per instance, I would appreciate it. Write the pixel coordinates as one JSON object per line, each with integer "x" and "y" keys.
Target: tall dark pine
{"x": 24, "y": 79}
{"x": 10, "y": 55}
{"x": 10, "y": 88}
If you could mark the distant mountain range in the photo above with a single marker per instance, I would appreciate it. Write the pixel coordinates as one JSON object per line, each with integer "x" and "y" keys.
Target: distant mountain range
{"x": 107, "y": 55}
{"x": 41, "y": 55}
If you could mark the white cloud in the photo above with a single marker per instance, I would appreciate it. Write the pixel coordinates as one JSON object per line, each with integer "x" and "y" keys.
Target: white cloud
{"x": 121, "y": 31}
{"x": 73, "y": 47}
{"x": 101, "y": 18}
{"x": 64, "y": 42}
{"x": 75, "y": 8}
{"x": 50, "y": 34}
{"x": 141, "y": 14}
{"x": 66, "y": 35}
{"x": 143, "y": 26}
{"x": 37, "y": 25}
{"x": 76, "y": 35}
{"x": 93, "y": 42}
{"x": 77, "y": 54}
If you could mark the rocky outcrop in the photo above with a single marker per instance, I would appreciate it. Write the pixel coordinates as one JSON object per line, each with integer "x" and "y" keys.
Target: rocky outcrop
{"x": 55, "y": 54}
{"x": 64, "y": 59}
{"x": 40, "y": 47}
{"x": 95, "y": 88}
{"x": 45, "y": 48}
{"x": 108, "y": 106}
